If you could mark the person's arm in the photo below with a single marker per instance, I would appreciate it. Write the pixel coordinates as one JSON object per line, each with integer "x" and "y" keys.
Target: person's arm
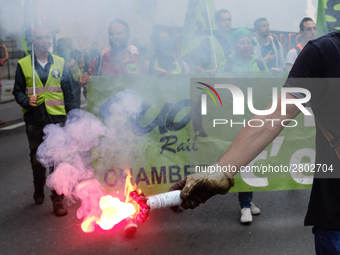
{"x": 288, "y": 67}
{"x": 5, "y": 58}
{"x": 85, "y": 78}
{"x": 290, "y": 59}
{"x": 19, "y": 90}
{"x": 250, "y": 141}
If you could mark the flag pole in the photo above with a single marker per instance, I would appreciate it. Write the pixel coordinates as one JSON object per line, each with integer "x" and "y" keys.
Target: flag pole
{"x": 211, "y": 34}
{"x": 33, "y": 64}
{"x": 33, "y": 59}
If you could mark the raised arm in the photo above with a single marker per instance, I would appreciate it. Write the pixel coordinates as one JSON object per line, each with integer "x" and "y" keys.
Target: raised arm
{"x": 250, "y": 141}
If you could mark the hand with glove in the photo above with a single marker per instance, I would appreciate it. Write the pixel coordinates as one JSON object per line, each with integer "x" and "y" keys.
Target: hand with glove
{"x": 199, "y": 187}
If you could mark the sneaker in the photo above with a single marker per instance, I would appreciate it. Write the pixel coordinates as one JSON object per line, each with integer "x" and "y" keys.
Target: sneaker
{"x": 254, "y": 210}
{"x": 246, "y": 216}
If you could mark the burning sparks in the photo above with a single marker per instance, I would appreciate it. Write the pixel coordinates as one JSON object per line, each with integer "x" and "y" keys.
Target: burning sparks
{"x": 113, "y": 211}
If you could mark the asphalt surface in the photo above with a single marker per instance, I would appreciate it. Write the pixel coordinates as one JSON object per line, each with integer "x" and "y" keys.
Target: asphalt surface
{"x": 212, "y": 228}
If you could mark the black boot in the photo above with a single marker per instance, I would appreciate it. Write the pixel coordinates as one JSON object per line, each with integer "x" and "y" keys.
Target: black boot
{"x": 39, "y": 179}
{"x": 58, "y": 204}
{"x": 39, "y": 196}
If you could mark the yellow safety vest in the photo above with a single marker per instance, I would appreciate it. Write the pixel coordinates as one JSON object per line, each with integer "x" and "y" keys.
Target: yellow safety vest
{"x": 51, "y": 94}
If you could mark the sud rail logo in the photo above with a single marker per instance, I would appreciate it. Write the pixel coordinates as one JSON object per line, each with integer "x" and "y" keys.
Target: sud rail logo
{"x": 238, "y": 105}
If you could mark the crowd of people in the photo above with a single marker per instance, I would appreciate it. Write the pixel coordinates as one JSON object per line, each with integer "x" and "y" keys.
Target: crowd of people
{"x": 225, "y": 50}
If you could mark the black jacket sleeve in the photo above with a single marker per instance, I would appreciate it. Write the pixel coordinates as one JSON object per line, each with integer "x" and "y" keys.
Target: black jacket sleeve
{"x": 19, "y": 90}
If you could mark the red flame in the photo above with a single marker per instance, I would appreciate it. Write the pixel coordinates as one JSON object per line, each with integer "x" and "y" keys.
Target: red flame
{"x": 104, "y": 210}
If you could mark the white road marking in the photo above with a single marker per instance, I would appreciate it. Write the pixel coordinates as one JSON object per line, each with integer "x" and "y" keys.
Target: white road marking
{"x": 13, "y": 126}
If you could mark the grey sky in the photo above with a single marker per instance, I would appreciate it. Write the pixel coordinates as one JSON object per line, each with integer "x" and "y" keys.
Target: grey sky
{"x": 283, "y": 15}
{"x": 87, "y": 19}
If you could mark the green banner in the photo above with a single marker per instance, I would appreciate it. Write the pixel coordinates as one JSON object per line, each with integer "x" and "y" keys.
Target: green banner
{"x": 328, "y": 18}
{"x": 160, "y": 134}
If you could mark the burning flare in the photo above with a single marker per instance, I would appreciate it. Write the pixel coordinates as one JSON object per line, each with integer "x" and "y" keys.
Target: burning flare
{"x": 102, "y": 209}
{"x": 106, "y": 211}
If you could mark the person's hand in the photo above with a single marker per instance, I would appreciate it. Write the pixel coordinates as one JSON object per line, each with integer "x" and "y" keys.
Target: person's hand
{"x": 199, "y": 187}
{"x": 33, "y": 100}
{"x": 199, "y": 69}
{"x": 275, "y": 71}
{"x": 212, "y": 72}
{"x": 84, "y": 79}
{"x": 160, "y": 71}
{"x": 269, "y": 56}
{"x": 4, "y": 46}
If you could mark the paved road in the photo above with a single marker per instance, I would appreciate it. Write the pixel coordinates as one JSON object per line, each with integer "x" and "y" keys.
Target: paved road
{"x": 213, "y": 228}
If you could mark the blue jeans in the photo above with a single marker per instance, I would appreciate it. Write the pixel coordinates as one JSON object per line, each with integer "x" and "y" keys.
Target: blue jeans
{"x": 327, "y": 242}
{"x": 245, "y": 198}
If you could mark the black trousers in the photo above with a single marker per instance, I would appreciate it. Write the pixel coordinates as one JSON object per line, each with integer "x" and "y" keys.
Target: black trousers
{"x": 35, "y": 138}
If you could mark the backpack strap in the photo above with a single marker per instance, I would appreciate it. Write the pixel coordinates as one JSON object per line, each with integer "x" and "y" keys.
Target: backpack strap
{"x": 333, "y": 140}
{"x": 298, "y": 48}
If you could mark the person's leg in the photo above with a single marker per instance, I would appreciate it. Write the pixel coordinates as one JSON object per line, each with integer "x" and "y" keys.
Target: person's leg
{"x": 35, "y": 138}
{"x": 244, "y": 199}
{"x": 327, "y": 242}
{"x": 57, "y": 200}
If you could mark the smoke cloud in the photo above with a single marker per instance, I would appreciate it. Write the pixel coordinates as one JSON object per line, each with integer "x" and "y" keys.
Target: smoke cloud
{"x": 70, "y": 148}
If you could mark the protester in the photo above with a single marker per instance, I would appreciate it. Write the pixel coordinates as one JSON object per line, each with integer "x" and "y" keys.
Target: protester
{"x": 268, "y": 48}
{"x": 223, "y": 34}
{"x": 165, "y": 59}
{"x": 308, "y": 31}
{"x": 52, "y": 99}
{"x": 2, "y": 62}
{"x": 319, "y": 58}
{"x": 213, "y": 47}
{"x": 118, "y": 60}
{"x": 243, "y": 60}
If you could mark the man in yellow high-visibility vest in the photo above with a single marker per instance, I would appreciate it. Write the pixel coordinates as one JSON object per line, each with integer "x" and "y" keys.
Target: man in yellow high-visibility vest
{"x": 52, "y": 99}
